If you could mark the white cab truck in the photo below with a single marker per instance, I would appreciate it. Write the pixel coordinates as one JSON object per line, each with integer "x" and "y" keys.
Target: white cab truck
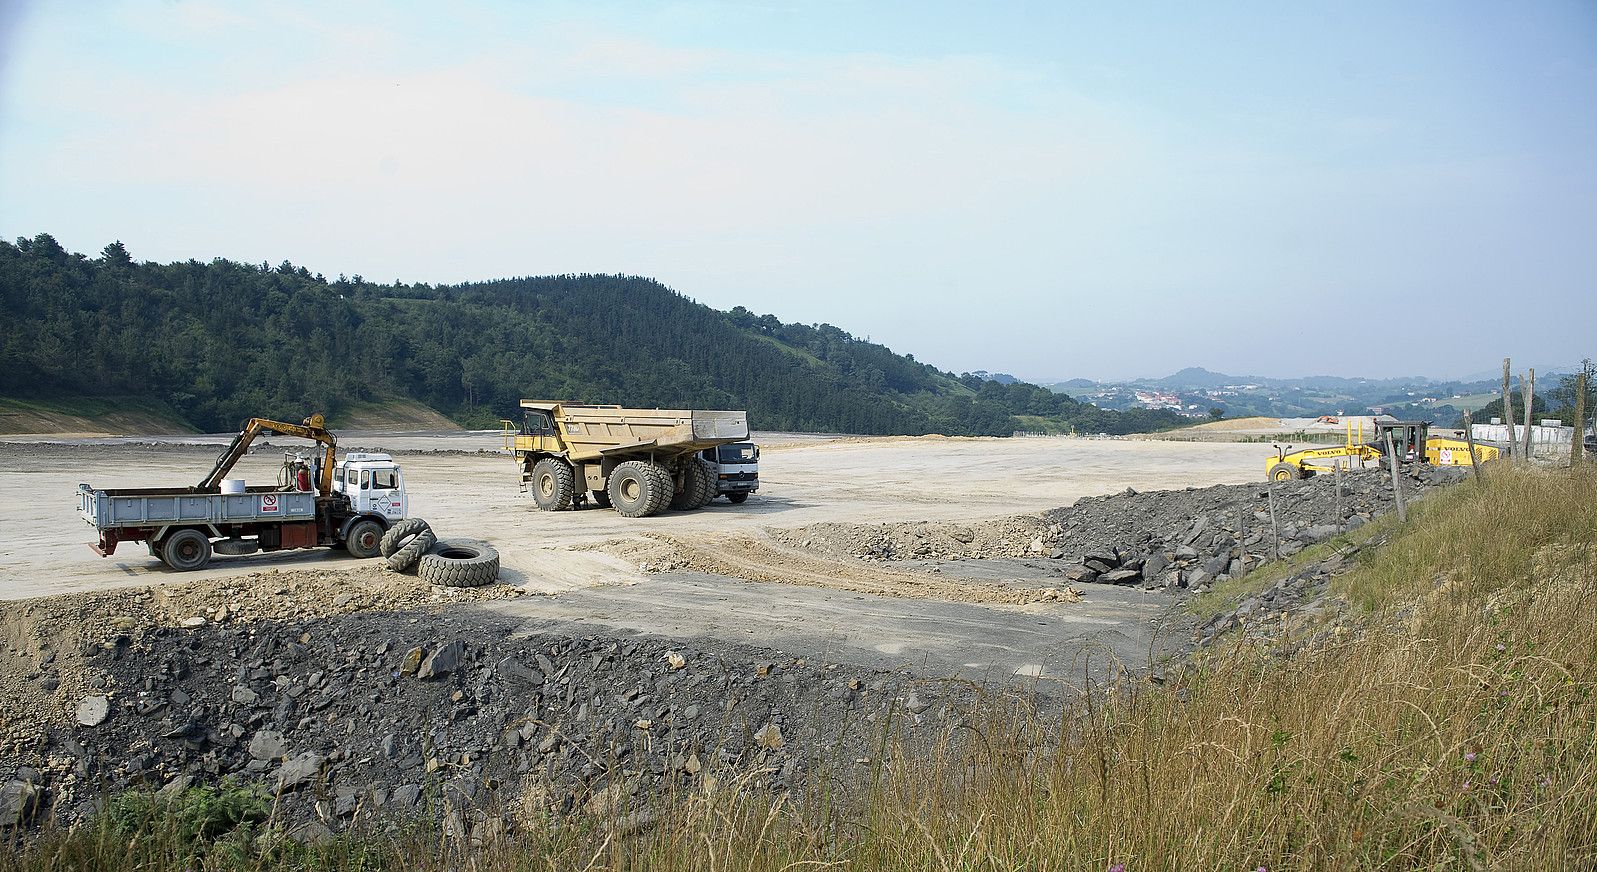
{"x": 736, "y": 468}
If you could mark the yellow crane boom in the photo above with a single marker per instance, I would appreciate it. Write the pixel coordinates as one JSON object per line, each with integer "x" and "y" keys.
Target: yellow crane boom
{"x": 314, "y": 428}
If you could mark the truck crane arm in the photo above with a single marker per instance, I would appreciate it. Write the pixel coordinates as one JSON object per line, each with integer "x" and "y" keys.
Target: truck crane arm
{"x": 314, "y": 428}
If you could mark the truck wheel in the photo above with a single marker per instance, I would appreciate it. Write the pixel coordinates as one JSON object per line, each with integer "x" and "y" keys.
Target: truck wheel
{"x": 1283, "y": 472}
{"x": 459, "y": 563}
{"x": 738, "y": 497}
{"x": 552, "y": 484}
{"x": 695, "y": 481}
{"x": 395, "y": 538}
{"x": 186, "y": 550}
{"x": 601, "y": 498}
{"x": 638, "y": 489}
{"x": 707, "y": 495}
{"x": 365, "y": 539}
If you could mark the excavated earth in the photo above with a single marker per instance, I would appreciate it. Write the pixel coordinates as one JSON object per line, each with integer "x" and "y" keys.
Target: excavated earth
{"x": 360, "y": 697}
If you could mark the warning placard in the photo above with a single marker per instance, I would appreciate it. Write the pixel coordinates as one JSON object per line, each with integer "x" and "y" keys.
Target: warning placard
{"x": 268, "y": 504}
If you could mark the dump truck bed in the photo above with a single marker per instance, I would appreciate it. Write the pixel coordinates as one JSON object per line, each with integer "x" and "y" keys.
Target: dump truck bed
{"x": 106, "y": 508}
{"x": 591, "y": 432}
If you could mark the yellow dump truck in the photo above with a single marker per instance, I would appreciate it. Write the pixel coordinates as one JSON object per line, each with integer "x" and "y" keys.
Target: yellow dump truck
{"x": 637, "y": 460}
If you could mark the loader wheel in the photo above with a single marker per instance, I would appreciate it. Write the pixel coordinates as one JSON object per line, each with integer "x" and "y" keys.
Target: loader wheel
{"x": 738, "y": 497}
{"x": 186, "y": 550}
{"x": 601, "y": 498}
{"x": 638, "y": 489}
{"x": 553, "y": 484}
{"x": 397, "y": 534}
{"x": 365, "y": 539}
{"x": 459, "y": 563}
{"x": 1283, "y": 472}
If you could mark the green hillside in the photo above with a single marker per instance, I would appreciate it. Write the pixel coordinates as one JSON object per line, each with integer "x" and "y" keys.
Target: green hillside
{"x": 219, "y": 342}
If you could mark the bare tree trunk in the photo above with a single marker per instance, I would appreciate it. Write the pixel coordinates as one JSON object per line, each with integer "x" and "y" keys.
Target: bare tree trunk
{"x": 1528, "y": 385}
{"x": 1508, "y": 410}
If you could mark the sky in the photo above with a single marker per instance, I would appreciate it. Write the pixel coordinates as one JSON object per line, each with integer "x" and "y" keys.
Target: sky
{"x": 1054, "y": 190}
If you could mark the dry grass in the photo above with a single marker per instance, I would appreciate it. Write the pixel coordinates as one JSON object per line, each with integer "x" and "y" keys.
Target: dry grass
{"x": 1457, "y": 729}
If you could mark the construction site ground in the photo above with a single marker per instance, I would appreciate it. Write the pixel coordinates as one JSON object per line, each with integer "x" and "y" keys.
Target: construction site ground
{"x": 737, "y": 574}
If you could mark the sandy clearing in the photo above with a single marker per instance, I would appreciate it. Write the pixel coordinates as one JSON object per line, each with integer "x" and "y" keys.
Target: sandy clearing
{"x": 805, "y": 480}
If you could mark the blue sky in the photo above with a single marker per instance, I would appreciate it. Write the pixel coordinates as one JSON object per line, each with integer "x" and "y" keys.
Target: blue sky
{"x": 1053, "y": 190}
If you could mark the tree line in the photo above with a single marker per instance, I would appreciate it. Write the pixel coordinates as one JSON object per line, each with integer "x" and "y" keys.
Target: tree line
{"x": 219, "y": 342}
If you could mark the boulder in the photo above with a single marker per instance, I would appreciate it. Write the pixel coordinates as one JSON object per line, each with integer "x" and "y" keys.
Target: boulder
{"x": 93, "y": 710}
{"x": 443, "y": 661}
{"x": 1121, "y": 576}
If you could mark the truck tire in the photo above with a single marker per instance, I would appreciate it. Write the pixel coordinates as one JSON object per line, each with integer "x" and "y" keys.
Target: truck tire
{"x": 365, "y": 539}
{"x": 1283, "y": 472}
{"x": 601, "y": 498}
{"x": 639, "y": 489}
{"x": 395, "y": 538}
{"x": 707, "y": 496}
{"x": 738, "y": 497}
{"x": 553, "y": 484}
{"x": 459, "y": 563}
{"x": 411, "y": 551}
{"x": 186, "y": 550}
{"x": 696, "y": 481}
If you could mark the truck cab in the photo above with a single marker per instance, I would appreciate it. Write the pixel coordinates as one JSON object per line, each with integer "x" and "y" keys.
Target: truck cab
{"x": 374, "y": 484}
{"x": 736, "y": 467}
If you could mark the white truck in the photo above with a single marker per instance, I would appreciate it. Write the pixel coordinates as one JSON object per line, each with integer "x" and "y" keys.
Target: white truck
{"x": 317, "y": 501}
{"x": 736, "y": 468}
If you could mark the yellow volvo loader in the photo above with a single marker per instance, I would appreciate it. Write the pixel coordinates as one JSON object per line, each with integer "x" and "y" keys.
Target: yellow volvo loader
{"x": 1410, "y": 439}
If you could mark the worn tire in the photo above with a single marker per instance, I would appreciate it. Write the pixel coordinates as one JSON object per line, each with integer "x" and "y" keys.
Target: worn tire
{"x": 395, "y": 538}
{"x": 459, "y": 563}
{"x": 600, "y": 498}
{"x": 186, "y": 550}
{"x": 1283, "y": 472}
{"x": 639, "y": 489}
{"x": 410, "y": 553}
{"x": 738, "y": 497}
{"x": 365, "y": 539}
{"x": 553, "y": 484}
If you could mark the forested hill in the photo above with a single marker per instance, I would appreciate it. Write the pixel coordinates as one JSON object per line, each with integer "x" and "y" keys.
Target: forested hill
{"x": 215, "y": 343}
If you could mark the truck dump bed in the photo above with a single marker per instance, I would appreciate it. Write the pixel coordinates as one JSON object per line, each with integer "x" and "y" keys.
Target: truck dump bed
{"x": 591, "y": 432}
{"x": 158, "y": 507}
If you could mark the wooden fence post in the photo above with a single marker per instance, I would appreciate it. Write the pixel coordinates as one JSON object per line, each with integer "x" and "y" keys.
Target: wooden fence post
{"x": 1397, "y": 484}
{"x": 1337, "y": 466}
{"x": 1275, "y": 528}
{"x": 1508, "y": 410}
{"x": 1529, "y": 387}
{"x": 1469, "y": 439}
{"x": 1577, "y": 444}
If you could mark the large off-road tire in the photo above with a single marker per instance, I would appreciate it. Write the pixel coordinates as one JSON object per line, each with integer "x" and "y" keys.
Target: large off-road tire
{"x": 186, "y": 550}
{"x": 738, "y": 497}
{"x": 698, "y": 487}
{"x": 1283, "y": 472}
{"x": 411, "y": 553}
{"x": 639, "y": 489}
{"x": 396, "y": 536}
{"x": 707, "y": 495}
{"x": 365, "y": 539}
{"x": 601, "y": 498}
{"x": 553, "y": 484}
{"x": 459, "y": 563}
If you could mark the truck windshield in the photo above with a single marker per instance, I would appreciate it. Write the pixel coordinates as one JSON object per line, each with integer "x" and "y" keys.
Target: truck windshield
{"x": 739, "y": 453}
{"x": 387, "y": 479}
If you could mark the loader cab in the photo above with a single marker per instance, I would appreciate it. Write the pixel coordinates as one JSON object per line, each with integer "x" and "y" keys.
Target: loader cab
{"x": 374, "y": 484}
{"x": 1408, "y": 437}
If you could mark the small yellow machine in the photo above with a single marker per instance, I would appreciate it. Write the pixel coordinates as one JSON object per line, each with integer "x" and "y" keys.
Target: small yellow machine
{"x": 1410, "y": 439}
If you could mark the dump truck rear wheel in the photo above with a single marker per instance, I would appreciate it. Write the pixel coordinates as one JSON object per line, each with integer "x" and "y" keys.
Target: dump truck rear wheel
{"x": 365, "y": 539}
{"x": 553, "y": 484}
{"x": 459, "y": 563}
{"x": 738, "y": 497}
{"x": 1283, "y": 472}
{"x": 186, "y": 550}
{"x": 601, "y": 499}
{"x": 638, "y": 489}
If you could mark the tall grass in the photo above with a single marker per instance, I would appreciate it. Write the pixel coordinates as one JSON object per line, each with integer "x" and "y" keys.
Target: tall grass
{"x": 1452, "y": 725}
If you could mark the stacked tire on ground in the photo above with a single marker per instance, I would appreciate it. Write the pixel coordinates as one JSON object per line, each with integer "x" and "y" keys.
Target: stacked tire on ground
{"x": 451, "y": 562}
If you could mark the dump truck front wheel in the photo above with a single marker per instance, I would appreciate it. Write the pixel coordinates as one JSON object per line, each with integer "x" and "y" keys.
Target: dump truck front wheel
{"x": 638, "y": 489}
{"x": 553, "y": 484}
{"x": 1283, "y": 472}
{"x": 186, "y": 550}
{"x": 698, "y": 486}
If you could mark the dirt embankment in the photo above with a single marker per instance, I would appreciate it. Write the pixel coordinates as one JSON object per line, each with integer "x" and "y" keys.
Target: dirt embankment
{"x": 86, "y": 418}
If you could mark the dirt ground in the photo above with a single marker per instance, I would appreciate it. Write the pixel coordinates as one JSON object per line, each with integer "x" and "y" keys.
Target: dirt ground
{"x": 43, "y": 541}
